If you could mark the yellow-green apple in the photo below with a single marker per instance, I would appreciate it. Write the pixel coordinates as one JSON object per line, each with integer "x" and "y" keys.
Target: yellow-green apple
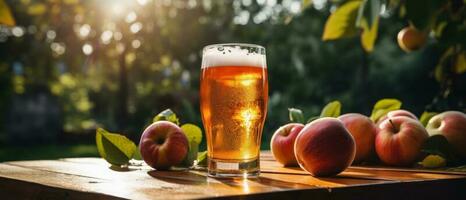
{"x": 282, "y": 143}
{"x": 363, "y": 131}
{"x": 452, "y": 125}
{"x": 399, "y": 140}
{"x": 163, "y": 144}
{"x": 324, "y": 147}
{"x": 396, "y": 113}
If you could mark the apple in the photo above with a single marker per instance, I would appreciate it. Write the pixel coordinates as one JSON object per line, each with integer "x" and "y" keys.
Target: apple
{"x": 282, "y": 143}
{"x": 163, "y": 144}
{"x": 324, "y": 147}
{"x": 396, "y": 113}
{"x": 452, "y": 125}
{"x": 399, "y": 140}
{"x": 410, "y": 39}
{"x": 363, "y": 131}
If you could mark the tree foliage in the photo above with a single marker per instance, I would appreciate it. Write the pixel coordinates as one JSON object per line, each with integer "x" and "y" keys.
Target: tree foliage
{"x": 118, "y": 63}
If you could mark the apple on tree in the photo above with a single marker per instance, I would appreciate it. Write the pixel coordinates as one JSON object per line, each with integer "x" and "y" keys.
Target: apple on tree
{"x": 399, "y": 140}
{"x": 282, "y": 143}
{"x": 411, "y": 39}
{"x": 452, "y": 125}
{"x": 163, "y": 144}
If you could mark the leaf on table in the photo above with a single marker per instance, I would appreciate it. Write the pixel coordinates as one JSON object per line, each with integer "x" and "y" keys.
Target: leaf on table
{"x": 167, "y": 115}
{"x": 332, "y": 109}
{"x": 425, "y": 117}
{"x": 342, "y": 23}
{"x": 194, "y": 135}
{"x": 192, "y": 132}
{"x": 202, "y": 158}
{"x": 192, "y": 154}
{"x": 296, "y": 115}
{"x": 439, "y": 145}
{"x": 383, "y": 106}
{"x": 114, "y": 148}
{"x": 137, "y": 154}
{"x": 433, "y": 161}
{"x": 461, "y": 168}
{"x": 6, "y": 17}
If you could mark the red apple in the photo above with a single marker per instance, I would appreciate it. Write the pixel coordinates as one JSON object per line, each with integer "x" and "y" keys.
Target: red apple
{"x": 363, "y": 131}
{"x": 282, "y": 143}
{"x": 452, "y": 125}
{"x": 396, "y": 113}
{"x": 324, "y": 147}
{"x": 163, "y": 144}
{"x": 399, "y": 140}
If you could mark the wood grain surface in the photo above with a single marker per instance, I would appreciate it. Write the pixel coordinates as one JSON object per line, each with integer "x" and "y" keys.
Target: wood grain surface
{"x": 93, "y": 178}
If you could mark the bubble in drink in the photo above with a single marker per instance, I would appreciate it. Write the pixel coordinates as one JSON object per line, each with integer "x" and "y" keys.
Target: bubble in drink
{"x": 234, "y": 95}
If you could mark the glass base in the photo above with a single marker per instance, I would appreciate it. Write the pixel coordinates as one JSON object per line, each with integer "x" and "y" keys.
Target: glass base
{"x": 233, "y": 169}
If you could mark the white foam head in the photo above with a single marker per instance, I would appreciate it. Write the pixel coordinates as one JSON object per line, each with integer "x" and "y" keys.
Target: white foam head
{"x": 233, "y": 55}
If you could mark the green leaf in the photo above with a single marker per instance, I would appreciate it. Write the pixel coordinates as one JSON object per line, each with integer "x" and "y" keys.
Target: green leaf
{"x": 368, "y": 20}
{"x": 442, "y": 66}
{"x": 383, "y": 106}
{"x": 421, "y": 13}
{"x": 192, "y": 154}
{"x": 192, "y": 132}
{"x": 37, "y": 9}
{"x": 6, "y": 17}
{"x": 370, "y": 11}
{"x": 425, "y": 117}
{"x": 369, "y": 36}
{"x": 114, "y": 148}
{"x": 433, "y": 161}
{"x": 167, "y": 115}
{"x": 202, "y": 158}
{"x": 312, "y": 119}
{"x": 194, "y": 135}
{"x": 296, "y": 115}
{"x": 332, "y": 109}
{"x": 342, "y": 22}
{"x": 137, "y": 154}
{"x": 460, "y": 64}
{"x": 305, "y": 4}
{"x": 439, "y": 145}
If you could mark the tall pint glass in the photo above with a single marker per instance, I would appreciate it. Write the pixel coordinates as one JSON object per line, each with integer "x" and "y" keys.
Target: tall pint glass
{"x": 233, "y": 98}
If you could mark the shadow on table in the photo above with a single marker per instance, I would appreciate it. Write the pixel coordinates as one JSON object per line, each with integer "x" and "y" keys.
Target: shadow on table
{"x": 121, "y": 169}
{"x": 179, "y": 177}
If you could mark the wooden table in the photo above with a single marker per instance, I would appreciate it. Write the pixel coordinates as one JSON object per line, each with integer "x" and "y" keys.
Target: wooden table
{"x": 92, "y": 178}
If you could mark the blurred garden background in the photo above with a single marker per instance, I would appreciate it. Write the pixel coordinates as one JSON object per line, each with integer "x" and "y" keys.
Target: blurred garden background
{"x": 70, "y": 66}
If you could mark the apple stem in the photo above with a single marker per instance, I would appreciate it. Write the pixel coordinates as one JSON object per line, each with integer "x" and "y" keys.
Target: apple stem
{"x": 393, "y": 125}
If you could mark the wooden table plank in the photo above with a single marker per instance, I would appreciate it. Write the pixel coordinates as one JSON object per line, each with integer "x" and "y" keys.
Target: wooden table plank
{"x": 363, "y": 173}
{"x": 137, "y": 183}
{"x": 85, "y": 178}
{"x": 23, "y": 183}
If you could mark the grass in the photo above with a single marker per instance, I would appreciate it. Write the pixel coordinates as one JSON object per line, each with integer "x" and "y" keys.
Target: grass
{"x": 42, "y": 152}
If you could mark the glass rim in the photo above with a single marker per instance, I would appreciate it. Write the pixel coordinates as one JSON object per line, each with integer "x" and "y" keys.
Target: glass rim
{"x": 234, "y": 44}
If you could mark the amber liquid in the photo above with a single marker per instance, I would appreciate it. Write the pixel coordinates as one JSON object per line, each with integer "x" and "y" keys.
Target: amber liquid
{"x": 233, "y": 106}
